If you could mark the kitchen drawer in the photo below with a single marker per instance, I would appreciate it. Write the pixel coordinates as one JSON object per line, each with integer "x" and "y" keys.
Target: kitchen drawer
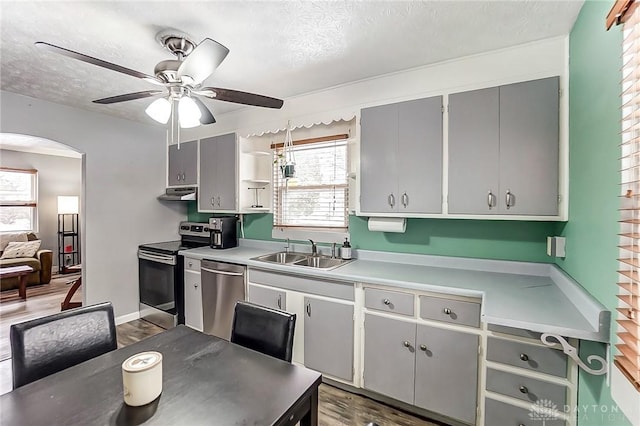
{"x": 389, "y": 301}
{"x": 449, "y": 310}
{"x": 191, "y": 264}
{"x": 498, "y": 413}
{"x": 525, "y": 388}
{"x": 536, "y": 358}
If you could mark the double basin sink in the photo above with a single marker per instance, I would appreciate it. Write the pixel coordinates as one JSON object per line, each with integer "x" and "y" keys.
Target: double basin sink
{"x": 302, "y": 259}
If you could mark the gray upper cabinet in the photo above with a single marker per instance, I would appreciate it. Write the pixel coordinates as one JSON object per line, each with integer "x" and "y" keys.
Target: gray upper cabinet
{"x": 218, "y": 173}
{"x": 328, "y": 337}
{"x": 401, "y": 157}
{"x": 474, "y": 152}
{"x": 378, "y": 161}
{"x": 504, "y": 150}
{"x": 389, "y": 357}
{"x": 183, "y": 164}
{"x": 447, "y": 372}
{"x": 529, "y": 147}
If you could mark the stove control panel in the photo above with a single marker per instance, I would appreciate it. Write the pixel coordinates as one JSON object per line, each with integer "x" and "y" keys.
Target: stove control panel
{"x": 194, "y": 229}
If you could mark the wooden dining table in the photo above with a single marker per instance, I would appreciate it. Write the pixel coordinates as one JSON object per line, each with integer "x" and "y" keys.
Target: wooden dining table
{"x": 206, "y": 381}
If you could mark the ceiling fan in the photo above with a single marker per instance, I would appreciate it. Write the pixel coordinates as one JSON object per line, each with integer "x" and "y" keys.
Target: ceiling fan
{"x": 182, "y": 78}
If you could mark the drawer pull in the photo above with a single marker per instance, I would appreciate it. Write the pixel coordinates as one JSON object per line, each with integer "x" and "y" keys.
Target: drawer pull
{"x": 447, "y": 311}
{"x": 406, "y": 344}
{"x": 423, "y": 348}
{"x": 386, "y": 302}
{"x": 524, "y": 389}
{"x": 524, "y": 357}
{"x": 190, "y": 264}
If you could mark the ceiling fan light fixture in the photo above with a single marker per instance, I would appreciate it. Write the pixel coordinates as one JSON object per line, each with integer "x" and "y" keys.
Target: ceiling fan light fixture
{"x": 188, "y": 112}
{"x": 159, "y": 110}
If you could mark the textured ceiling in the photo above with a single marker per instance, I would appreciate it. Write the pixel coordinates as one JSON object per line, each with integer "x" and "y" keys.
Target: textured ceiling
{"x": 277, "y": 48}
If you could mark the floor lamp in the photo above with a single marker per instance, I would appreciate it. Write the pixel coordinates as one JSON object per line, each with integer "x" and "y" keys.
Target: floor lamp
{"x": 68, "y": 235}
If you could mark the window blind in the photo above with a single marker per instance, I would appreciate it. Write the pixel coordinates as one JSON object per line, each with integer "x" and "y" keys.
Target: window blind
{"x": 627, "y": 357}
{"x": 318, "y": 195}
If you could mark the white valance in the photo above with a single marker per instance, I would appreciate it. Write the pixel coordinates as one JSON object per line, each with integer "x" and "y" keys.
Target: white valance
{"x": 307, "y": 122}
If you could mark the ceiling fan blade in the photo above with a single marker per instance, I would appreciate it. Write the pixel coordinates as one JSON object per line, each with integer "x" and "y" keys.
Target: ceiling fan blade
{"x": 128, "y": 97}
{"x": 98, "y": 62}
{"x": 204, "y": 59}
{"x": 207, "y": 117}
{"x": 238, "y": 97}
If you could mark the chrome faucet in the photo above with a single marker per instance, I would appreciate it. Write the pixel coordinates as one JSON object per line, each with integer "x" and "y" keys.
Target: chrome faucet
{"x": 333, "y": 251}
{"x": 314, "y": 248}
{"x": 286, "y": 248}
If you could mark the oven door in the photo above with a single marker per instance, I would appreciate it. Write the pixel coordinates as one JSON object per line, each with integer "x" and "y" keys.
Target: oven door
{"x": 158, "y": 280}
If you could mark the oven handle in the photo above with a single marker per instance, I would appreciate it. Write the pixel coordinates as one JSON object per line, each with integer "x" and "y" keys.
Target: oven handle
{"x": 168, "y": 260}
{"x": 215, "y": 271}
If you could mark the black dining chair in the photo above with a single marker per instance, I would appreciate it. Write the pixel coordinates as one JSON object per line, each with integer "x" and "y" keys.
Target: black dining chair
{"x": 263, "y": 329}
{"x": 44, "y": 346}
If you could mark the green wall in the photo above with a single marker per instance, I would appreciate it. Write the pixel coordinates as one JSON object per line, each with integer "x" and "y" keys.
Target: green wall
{"x": 523, "y": 241}
{"x": 594, "y": 125}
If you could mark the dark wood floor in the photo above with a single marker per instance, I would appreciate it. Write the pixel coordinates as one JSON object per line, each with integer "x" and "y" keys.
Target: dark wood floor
{"x": 336, "y": 407}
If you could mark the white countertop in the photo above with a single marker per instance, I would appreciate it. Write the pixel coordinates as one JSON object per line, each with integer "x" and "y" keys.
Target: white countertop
{"x": 538, "y": 297}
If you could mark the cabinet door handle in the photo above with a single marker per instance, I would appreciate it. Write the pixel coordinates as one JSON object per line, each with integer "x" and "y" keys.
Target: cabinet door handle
{"x": 178, "y": 176}
{"x": 406, "y": 344}
{"x": 405, "y": 200}
{"x": 190, "y": 264}
{"x": 524, "y": 357}
{"x": 491, "y": 200}
{"x": 309, "y": 309}
{"x": 218, "y": 201}
{"x": 509, "y": 199}
{"x": 183, "y": 176}
{"x": 279, "y": 301}
{"x": 423, "y": 348}
{"x": 213, "y": 202}
{"x": 524, "y": 389}
{"x": 391, "y": 200}
{"x": 195, "y": 286}
{"x": 386, "y": 302}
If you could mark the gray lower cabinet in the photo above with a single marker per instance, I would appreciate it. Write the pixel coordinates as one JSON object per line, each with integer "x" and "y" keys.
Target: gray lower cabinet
{"x": 269, "y": 297}
{"x": 389, "y": 357}
{"x": 447, "y": 372}
{"x": 401, "y": 157}
{"x": 328, "y": 337}
{"x": 218, "y": 173}
{"x": 432, "y": 368}
{"x": 504, "y": 149}
{"x": 498, "y": 413}
{"x": 183, "y": 164}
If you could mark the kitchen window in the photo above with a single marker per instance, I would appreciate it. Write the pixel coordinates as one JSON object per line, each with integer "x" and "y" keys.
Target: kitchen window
{"x": 317, "y": 197}
{"x": 627, "y": 357}
{"x": 18, "y": 199}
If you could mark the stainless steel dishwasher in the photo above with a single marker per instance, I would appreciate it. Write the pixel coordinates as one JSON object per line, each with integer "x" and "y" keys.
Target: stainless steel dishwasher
{"x": 222, "y": 286}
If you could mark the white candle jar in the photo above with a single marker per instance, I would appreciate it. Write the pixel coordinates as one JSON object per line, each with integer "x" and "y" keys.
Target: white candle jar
{"x": 142, "y": 378}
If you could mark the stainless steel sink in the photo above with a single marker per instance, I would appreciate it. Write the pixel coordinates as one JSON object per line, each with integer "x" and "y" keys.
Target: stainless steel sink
{"x": 320, "y": 262}
{"x": 301, "y": 259}
{"x": 282, "y": 257}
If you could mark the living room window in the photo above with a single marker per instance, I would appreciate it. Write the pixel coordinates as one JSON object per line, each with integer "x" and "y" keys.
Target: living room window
{"x": 317, "y": 197}
{"x": 18, "y": 199}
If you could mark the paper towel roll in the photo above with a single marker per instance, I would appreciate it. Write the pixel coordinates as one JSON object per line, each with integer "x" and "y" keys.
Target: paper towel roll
{"x": 387, "y": 224}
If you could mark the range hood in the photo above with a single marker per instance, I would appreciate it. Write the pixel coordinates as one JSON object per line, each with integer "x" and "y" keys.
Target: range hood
{"x": 186, "y": 193}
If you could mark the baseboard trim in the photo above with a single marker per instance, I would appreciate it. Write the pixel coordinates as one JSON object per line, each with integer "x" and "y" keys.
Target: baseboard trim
{"x": 128, "y": 317}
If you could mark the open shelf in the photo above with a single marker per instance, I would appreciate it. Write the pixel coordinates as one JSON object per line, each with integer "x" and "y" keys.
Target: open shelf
{"x": 260, "y": 181}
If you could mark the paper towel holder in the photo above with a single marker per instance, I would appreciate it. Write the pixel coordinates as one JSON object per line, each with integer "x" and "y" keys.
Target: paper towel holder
{"x": 387, "y": 224}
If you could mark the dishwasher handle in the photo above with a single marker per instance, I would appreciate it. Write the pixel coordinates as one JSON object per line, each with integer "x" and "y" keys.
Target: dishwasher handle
{"x": 215, "y": 271}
